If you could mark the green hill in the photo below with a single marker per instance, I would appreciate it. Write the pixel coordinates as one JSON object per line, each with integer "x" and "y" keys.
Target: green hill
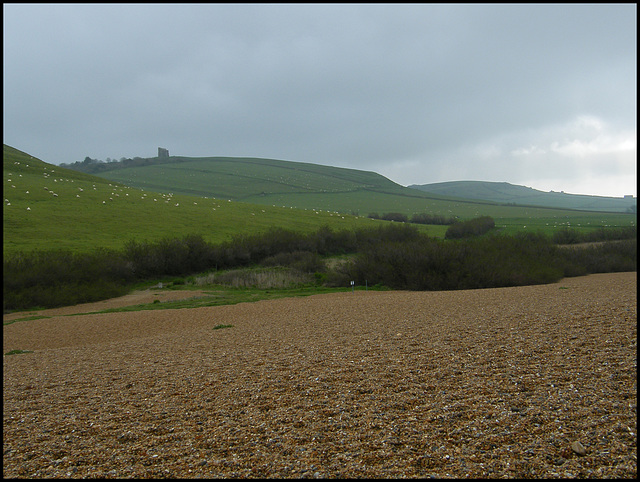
{"x": 301, "y": 185}
{"x": 264, "y": 181}
{"x": 503, "y": 192}
{"x": 48, "y": 206}
{"x": 313, "y": 186}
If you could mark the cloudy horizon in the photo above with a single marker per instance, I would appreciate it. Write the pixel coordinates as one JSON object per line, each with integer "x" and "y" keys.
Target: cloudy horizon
{"x": 537, "y": 95}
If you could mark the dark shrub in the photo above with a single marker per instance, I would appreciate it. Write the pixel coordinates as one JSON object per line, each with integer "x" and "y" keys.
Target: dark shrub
{"x": 424, "y": 218}
{"x": 304, "y": 261}
{"x": 397, "y": 217}
{"x": 61, "y": 278}
{"x": 472, "y": 227}
{"x": 566, "y": 236}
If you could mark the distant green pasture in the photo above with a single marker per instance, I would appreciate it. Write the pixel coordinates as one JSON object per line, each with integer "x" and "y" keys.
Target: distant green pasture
{"x": 509, "y": 218}
{"x": 234, "y": 178}
{"x": 81, "y": 212}
{"x": 272, "y": 182}
{"x": 89, "y": 212}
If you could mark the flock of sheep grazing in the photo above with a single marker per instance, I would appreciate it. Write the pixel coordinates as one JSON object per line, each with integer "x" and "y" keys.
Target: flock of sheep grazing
{"x": 115, "y": 190}
{"x": 47, "y": 175}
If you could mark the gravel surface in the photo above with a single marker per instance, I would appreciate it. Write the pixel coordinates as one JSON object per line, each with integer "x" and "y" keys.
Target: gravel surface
{"x": 535, "y": 381}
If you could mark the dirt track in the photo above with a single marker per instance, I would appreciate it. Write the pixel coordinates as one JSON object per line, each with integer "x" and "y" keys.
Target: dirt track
{"x": 478, "y": 383}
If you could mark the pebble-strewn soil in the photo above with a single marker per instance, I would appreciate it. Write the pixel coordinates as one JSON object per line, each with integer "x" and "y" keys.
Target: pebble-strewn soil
{"x": 536, "y": 381}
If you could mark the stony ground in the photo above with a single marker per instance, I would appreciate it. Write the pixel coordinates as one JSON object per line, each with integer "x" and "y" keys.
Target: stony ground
{"x": 536, "y": 381}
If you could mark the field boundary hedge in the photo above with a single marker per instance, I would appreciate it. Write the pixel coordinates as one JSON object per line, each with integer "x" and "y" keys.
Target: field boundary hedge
{"x": 396, "y": 255}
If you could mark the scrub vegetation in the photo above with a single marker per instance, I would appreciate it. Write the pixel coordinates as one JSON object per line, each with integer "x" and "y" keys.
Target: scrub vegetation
{"x": 396, "y": 255}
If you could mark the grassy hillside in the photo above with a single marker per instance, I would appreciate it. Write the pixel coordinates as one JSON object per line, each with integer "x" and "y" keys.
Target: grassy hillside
{"x": 309, "y": 186}
{"x": 503, "y": 192}
{"x": 243, "y": 179}
{"x": 46, "y": 206}
{"x": 82, "y": 211}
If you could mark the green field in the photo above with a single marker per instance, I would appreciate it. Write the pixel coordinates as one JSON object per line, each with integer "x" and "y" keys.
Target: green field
{"x": 89, "y": 212}
{"x": 245, "y": 179}
{"x": 223, "y": 197}
{"x": 308, "y": 186}
{"x": 505, "y": 193}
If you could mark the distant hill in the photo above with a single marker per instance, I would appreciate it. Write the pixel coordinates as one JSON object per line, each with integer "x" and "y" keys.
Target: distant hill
{"x": 312, "y": 186}
{"x": 239, "y": 178}
{"x": 269, "y": 182}
{"x": 503, "y": 192}
{"x": 48, "y": 206}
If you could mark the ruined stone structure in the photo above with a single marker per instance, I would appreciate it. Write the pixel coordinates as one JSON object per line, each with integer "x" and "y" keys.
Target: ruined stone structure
{"x": 162, "y": 152}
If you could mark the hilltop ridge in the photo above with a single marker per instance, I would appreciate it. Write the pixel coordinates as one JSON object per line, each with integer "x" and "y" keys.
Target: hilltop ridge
{"x": 504, "y": 192}
{"x": 50, "y": 206}
{"x": 237, "y": 177}
{"x": 307, "y": 185}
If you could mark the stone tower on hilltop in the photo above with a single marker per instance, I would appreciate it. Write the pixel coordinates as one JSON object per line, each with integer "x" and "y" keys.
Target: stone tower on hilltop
{"x": 162, "y": 152}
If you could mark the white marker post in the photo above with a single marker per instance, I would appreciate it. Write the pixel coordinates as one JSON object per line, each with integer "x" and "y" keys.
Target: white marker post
{"x": 352, "y": 284}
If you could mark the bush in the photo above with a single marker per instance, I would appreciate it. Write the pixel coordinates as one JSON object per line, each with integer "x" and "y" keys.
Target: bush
{"x": 169, "y": 257}
{"x": 472, "y": 227}
{"x": 430, "y": 264}
{"x": 395, "y": 255}
{"x": 431, "y": 219}
{"x": 303, "y": 261}
{"x": 61, "y": 278}
{"x": 566, "y": 236}
{"x": 611, "y": 256}
{"x": 397, "y": 217}
{"x": 573, "y": 236}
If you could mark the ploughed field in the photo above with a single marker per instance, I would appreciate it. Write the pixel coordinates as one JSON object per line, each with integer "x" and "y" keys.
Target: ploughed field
{"x": 535, "y": 381}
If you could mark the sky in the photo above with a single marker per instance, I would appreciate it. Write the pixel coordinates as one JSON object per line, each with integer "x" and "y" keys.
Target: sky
{"x": 536, "y": 95}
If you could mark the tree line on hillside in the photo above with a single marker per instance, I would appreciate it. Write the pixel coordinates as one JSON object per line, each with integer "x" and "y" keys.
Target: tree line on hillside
{"x": 93, "y": 166}
{"x": 395, "y": 255}
{"x": 469, "y": 228}
{"x": 417, "y": 218}
{"x": 571, "y": 236}
{"x": 457, "y": 229}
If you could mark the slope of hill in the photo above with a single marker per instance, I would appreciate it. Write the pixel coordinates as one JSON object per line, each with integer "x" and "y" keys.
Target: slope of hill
{"x": 48, "y": 206}
{"x": 239, "y": 178}
{"x": 272, "y": 182}
{"x": 503, "y": 192}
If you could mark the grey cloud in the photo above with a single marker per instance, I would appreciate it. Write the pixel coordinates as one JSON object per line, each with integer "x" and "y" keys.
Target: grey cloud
{"x": 363, "y": 86}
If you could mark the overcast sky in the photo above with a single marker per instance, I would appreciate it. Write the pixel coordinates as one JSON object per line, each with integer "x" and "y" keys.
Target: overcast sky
{"x": 538, "y": 95}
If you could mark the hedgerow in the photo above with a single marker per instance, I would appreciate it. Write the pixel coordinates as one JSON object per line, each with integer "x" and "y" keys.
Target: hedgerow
{"x": 418, "y": 218}
{"x": 573, "y": 236}
{"x": 395, "y": 255}
{"x": 469, "y": 228}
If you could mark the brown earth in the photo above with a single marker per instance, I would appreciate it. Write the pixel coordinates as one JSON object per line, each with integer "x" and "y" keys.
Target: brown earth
{"x": 534, "y": 381}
